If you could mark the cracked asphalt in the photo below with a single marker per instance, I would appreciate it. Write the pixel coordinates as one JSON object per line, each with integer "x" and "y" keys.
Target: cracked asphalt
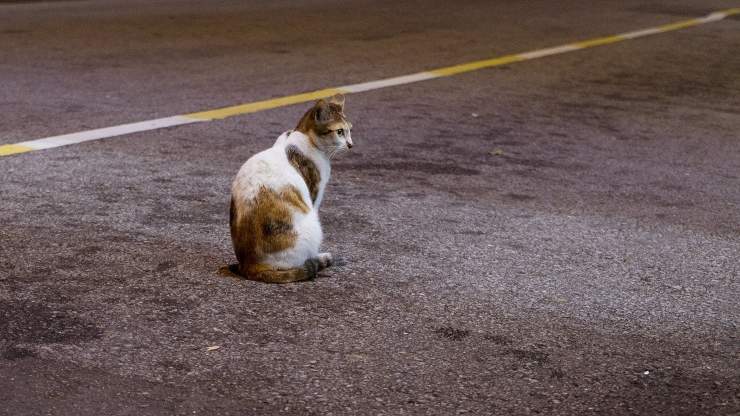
{"x": 559, "y": 236}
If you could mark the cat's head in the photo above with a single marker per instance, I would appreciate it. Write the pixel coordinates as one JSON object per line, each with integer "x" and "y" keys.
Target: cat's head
{"x": 327, "y": 126}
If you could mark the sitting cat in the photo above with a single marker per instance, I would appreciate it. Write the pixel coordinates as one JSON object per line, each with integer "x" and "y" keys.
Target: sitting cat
{"x": 276, "y": 195}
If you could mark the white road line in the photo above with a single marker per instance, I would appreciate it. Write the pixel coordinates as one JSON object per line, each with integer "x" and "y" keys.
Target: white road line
{"x": 641, "y": 33}
{"x": 389, "y": 82}
{"x": 120, "y": 130}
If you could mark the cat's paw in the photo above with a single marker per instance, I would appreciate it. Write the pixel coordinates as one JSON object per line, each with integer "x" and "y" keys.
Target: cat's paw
{"x": 312, "y": 267}
{"x": 325, "y": 260}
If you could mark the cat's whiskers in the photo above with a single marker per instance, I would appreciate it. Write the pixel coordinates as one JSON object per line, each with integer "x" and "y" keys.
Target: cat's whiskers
{"x": 338, "y": 150}
{"x": 332, "y": 152}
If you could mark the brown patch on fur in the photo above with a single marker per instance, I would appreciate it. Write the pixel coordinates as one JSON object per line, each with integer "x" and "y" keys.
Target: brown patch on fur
{"x": 264, "y": 225}
{"x": 292, "y": 195}
{"x": 306, "y": 168}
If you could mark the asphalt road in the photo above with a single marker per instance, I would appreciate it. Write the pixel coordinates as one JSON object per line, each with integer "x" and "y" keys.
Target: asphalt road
{"x": 558, "y": 236}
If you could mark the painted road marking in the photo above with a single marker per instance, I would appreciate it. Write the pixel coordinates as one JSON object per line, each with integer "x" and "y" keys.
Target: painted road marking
{"x": 541, "y": 53}
{"x": 11, "y": 149}
{"x": 86, "y": 136}
{"x": 388, "y": 82}
{"x": 221, "y": 113}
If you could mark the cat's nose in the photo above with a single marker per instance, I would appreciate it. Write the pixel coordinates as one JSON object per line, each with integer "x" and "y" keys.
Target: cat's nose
{"x": 349, "y": 143}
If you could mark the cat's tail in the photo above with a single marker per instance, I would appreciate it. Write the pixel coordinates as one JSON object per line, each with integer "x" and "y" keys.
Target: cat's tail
{"x": 268, "y": 274}
{"x": 283, "y": 276}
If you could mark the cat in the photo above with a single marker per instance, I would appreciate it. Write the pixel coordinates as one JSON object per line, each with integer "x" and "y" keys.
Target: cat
{"x": 275, "y": 198}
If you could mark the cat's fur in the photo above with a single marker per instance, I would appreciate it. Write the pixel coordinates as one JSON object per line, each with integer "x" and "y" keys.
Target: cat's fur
{"x": 276, "y": 195}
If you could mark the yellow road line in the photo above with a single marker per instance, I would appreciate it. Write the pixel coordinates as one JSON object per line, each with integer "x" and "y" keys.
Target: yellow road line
{"x": 599, "y": 41}
{"x": 474, "y": 66}
{"x": 680, "y": 25}
{"x": 13, "y": 149}
{"x": 221, "y": 113}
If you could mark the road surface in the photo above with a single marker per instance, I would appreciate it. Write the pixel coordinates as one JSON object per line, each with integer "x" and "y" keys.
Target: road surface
{"x": 559, "y": 236}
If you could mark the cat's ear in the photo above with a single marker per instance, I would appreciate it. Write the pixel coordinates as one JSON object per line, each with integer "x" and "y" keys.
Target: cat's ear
{"x": 337, "y": 99}
{"x": 322, "y": 113}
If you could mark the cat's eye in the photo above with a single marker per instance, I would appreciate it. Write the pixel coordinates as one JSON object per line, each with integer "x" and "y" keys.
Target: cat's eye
{"x": 340, "y": 132}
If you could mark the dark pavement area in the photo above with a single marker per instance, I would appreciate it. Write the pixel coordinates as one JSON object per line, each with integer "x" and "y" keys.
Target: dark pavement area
{"x": 558, "y": 236}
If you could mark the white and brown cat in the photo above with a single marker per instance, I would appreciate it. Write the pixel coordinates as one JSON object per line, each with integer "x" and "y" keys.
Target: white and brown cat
{"x": 276, "y": 195}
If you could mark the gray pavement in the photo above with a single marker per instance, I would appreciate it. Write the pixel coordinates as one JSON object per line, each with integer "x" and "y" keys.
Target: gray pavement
{"x": 558, "y": 236}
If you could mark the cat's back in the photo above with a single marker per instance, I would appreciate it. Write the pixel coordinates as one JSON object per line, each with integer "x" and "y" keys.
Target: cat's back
{"x": 269, "y": 168}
